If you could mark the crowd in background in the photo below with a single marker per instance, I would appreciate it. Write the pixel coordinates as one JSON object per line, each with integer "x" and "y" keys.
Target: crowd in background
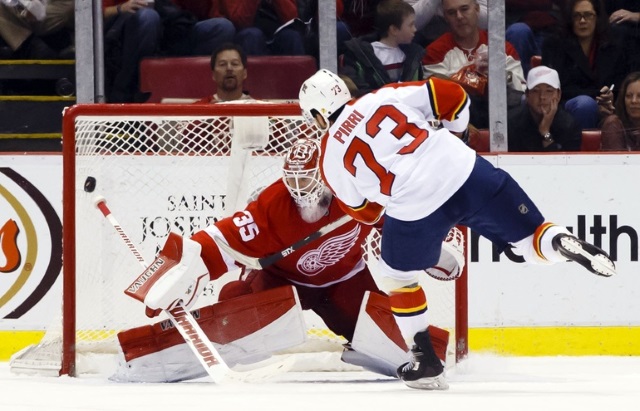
{"x": 593, "y": 46}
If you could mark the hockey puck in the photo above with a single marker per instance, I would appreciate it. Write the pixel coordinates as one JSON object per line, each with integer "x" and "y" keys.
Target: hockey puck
{"x": 89, "y": 184}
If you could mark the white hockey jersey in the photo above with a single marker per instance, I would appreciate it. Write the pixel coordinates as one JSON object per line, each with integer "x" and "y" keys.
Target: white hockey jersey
{"x": 383, "y": 151}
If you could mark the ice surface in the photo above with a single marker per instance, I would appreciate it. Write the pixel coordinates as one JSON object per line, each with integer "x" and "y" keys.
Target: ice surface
{"x": 480, "y": 383}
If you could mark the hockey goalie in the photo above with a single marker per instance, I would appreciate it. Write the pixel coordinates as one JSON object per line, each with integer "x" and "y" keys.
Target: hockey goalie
{"x": 261, "y": 313}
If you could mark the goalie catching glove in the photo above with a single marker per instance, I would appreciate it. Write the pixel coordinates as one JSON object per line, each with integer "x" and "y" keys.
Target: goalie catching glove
{"x": 176, "y": 277}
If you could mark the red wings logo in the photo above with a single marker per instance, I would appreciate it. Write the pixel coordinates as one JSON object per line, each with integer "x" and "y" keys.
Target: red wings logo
{"x": 329, "y": 252}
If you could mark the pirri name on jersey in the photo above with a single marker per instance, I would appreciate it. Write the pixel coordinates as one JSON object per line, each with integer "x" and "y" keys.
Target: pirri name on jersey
{"x": 348, "y": 125}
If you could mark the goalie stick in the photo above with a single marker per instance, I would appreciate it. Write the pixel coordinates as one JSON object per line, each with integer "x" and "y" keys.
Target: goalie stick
{"x": 191, "y": 331}
{"x": 263, "y": 262}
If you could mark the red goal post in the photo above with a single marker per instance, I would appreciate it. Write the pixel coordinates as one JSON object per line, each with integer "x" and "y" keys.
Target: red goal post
{"x": 163, "y": 167}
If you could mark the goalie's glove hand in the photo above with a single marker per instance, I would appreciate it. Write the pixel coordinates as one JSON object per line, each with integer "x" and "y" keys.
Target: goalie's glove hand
{"x": 177, "y": 276}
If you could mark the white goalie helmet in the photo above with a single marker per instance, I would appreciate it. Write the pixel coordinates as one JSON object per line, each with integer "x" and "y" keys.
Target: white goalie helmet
{"x": 301, "y": 172}
{"x": 324, "y": 93}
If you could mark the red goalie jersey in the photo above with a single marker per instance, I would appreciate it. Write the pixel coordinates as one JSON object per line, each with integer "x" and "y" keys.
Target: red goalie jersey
{"x": 272, "y": 223}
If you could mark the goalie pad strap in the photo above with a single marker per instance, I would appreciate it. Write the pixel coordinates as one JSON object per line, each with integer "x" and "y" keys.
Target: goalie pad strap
{"x": 223, "y": 322}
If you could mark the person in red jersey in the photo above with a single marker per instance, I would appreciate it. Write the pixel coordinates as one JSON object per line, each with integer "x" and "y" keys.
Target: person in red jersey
{"x": 261, "y": 312}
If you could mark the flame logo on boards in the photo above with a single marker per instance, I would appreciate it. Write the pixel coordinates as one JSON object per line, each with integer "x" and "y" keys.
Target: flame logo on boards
{"x": 9, "y": 247}
{"x": 28, "y": 265}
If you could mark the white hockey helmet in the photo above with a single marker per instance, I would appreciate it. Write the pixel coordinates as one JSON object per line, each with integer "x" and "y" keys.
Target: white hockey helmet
{"x": 323, "y": 93}
{"x": 301, "y": 172}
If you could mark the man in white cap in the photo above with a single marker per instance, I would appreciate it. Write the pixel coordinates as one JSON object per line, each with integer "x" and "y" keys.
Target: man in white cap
{"x": 542, "y": 124}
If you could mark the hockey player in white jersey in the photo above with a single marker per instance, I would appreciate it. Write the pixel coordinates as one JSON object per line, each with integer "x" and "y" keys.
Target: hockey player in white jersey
{"x": 382, "y": 158}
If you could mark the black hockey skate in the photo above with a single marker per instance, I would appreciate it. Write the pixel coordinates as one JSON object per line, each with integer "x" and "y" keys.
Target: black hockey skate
{"x": 425, "y": 372}
{"x": 587, "y": 255}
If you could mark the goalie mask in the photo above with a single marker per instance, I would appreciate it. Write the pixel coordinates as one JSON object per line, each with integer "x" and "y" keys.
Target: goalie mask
{"x": 323, "y": 93}
{"x": 301, "y": 172}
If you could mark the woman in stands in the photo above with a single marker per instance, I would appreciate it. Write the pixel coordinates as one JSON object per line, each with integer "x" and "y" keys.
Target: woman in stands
{"x": 586, "y": 59}
{"x": 621, "y": 131}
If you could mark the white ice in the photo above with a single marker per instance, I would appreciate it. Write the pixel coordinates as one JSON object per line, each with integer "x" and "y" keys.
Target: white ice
{"x": 481, "y": 383}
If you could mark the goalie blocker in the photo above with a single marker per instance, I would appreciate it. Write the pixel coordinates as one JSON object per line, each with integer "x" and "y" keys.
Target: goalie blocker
{"x": 250, "y": 328}
{"x": 177, "y": 275}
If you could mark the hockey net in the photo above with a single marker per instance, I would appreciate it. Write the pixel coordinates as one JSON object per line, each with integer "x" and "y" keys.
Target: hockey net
{"x": 162, "y": 168}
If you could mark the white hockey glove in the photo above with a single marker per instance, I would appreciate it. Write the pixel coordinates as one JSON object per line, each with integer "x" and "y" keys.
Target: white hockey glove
{"x": 177, "y": 276}
{"x": 452, "y": 260}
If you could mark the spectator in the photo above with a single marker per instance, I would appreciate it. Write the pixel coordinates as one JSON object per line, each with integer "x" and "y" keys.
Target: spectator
{"x": 132, "y": 32}
{"x": 359, "y": 16}
{"x": 135, "y": 29}
{"x": 430, "y": 22}
{"x": 464, "y": 50}
{"x": 308, "y": 12}
{"x": 624, "y": 19}
{"x": 541, "y": 124}
{"x": 264, "y": 28}
{"x": 528, "y": 23}
{"x": 621, "y": 131}
{"x": 229, "y": 71}
{"x": 205, "y": 35}
{"x": 23, "y": 31}
{"x": 586, "y": 59}
{"x": 392, "y": 58}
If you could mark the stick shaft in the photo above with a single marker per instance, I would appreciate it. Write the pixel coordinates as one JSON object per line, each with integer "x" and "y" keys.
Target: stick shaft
{"x": 260, "y": 263}
{"x": 184, "y": 322}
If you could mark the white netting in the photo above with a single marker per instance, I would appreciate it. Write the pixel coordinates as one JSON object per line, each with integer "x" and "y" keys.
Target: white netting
{"x": 170, "y": 170}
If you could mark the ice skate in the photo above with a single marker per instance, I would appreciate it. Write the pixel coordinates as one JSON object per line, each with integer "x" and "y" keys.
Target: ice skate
{"x": 588, "y": 255}
{"x": 425, "y": 372}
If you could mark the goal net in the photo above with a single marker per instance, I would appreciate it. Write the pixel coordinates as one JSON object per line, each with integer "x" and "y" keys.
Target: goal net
{"x": 165, "y": 168}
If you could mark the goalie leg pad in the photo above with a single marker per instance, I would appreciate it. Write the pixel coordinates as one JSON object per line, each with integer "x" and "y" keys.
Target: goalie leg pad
{"x": 377, "y": 342}
{"x": 244, "y": 330}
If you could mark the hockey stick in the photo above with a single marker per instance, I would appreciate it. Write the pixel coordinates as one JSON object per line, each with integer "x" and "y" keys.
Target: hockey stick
{"x": 190, "y": 330}
{"x": 263, "y": 262}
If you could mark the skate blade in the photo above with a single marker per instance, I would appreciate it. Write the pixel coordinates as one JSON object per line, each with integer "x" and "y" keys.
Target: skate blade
{"x": 431, "y": 384}
{"x": 600, "y": 264}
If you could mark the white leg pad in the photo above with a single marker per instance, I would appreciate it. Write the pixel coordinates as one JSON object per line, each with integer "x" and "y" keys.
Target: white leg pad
{"x": 377, "y": 342}
{"x": 244, "y": 330}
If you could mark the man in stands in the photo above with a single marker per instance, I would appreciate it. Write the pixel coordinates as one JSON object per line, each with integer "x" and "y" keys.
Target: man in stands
{"x": 136, "y": 29}
{"x": 229, "y": 71}
{"x": 542, "y": 124}
{"x": 463, "y": 52}
{"x": 23, "y": 25}
{"x": 264, "y": 27}
{"x": 382, "y": 158}
{"x": 328, "y": 275}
